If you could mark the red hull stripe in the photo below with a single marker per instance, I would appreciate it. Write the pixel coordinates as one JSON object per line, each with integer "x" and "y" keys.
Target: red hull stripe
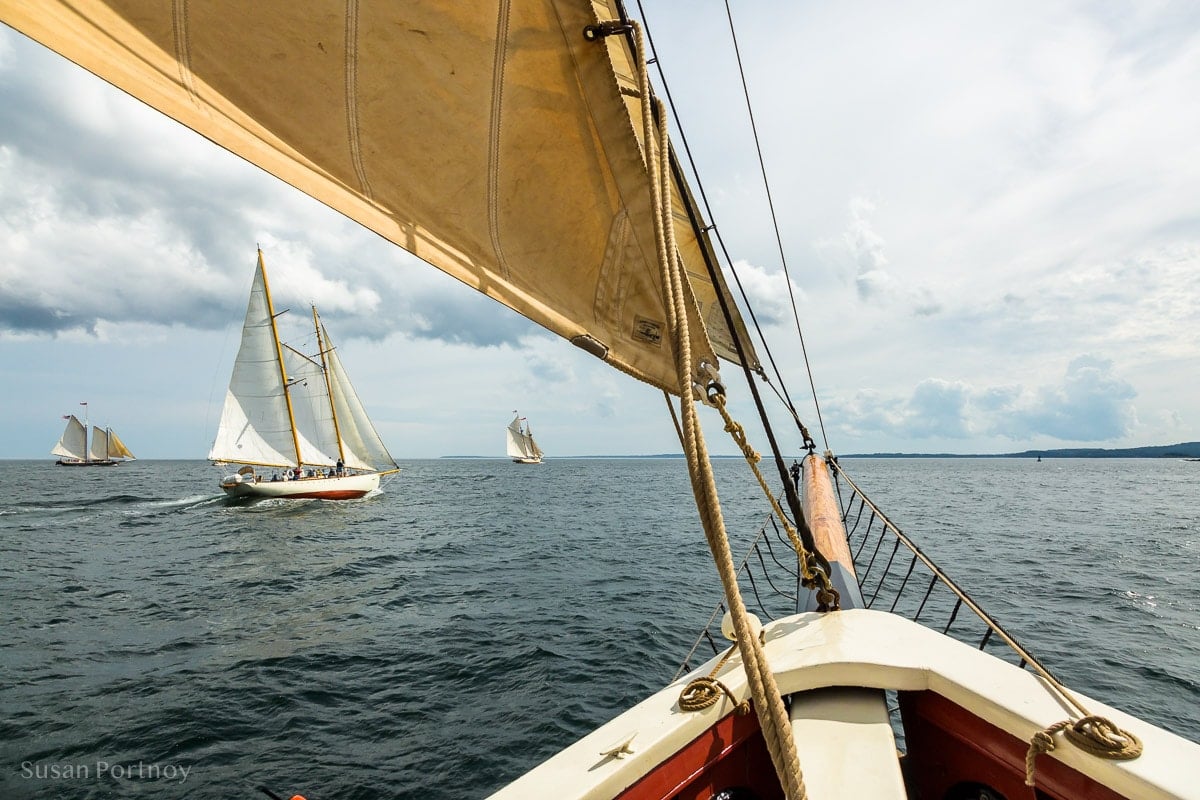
{"x": 729, "y": 754}
{"x": 339, "y": 495}
{"x": 948, "y": 747}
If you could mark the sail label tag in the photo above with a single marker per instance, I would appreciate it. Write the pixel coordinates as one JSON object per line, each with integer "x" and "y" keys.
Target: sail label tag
{"x": 648, "y": 331}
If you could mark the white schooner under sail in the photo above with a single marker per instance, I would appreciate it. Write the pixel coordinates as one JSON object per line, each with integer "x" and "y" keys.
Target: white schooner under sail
{"x": 521, "y": 446}
{"x": 293, "y": 420}
{"x": 74, "y": 450}
{"x": 522, "y": 148}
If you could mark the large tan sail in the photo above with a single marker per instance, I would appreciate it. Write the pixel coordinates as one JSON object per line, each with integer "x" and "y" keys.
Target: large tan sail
{"x": 492, "y": 140}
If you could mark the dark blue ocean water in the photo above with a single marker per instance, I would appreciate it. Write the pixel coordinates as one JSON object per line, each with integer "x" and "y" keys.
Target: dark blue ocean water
{"x": 439, "y": 639}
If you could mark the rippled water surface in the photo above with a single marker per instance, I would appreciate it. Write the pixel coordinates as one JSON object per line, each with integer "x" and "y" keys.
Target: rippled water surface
{"x": 440, "y": 638}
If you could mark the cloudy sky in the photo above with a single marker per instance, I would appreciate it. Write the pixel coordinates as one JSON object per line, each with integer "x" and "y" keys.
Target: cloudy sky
{"x": 991, "y": 214}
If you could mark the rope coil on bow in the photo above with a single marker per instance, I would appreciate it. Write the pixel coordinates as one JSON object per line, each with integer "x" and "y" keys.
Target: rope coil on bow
{"x": 1091, "y": 734}
{"x": 704, "y": 691}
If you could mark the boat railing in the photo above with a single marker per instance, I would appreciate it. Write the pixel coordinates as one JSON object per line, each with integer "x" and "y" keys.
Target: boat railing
{"x": 769, "y": 577}
{"x": 893, "y": 574}
{"x": 754, "y": 570}
{"x": 893, "y": 571}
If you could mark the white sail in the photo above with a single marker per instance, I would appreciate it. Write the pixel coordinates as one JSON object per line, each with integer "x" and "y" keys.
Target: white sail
{"x": 516, "y": 440}
{"x": 311, "y": 409}
{"x": 98, "y": 450}
{"x": 362, "y": 446}
{"x": 255, "y": 425}
{"x": 73, "y": 442}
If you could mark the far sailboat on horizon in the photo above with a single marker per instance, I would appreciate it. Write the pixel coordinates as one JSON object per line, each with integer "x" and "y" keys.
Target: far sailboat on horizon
{"x": 521, "y": 446}
{"x": 105, "y": 450}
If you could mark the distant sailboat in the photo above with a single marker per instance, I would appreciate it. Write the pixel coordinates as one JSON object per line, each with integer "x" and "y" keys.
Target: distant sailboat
{"x": 521, "y": 446}
{"x": 296, "y": 415}
{"x": 73, "y": 449}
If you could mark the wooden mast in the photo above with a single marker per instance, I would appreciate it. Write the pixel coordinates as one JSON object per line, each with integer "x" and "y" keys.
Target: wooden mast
{"x": 287, "y": 395}
{"x": 337, "y": 431}
{"x": 87, "y": 454}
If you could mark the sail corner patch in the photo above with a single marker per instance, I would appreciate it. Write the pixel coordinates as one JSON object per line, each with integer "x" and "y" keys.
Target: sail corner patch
{"x": 591, "y": 344}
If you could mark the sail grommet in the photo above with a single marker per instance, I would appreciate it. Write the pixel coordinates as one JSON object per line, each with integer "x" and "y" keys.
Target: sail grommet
{"x": 714, "y": 390}
{"x": 596, "y": 32}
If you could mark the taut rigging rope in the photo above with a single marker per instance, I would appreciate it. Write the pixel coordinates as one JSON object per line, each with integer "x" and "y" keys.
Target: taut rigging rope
{"x": 775, "y": 221}
{"x": 785, "y": 397}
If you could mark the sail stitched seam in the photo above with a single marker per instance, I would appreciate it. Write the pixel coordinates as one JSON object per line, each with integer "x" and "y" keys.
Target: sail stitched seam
{"x": 351, "y": 76}
{"x": 183, "y": 48}
{"x": 494, "y": 126}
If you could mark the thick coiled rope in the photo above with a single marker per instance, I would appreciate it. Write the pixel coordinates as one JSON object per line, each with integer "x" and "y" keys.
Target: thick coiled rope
{"x": 702, "y": 692}
{"x": 1091, "y": 734}
{"x": 706, "y": 690}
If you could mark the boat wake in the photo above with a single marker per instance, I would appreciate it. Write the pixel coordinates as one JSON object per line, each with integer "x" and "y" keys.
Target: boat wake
{"x": 74, "y": 504}
{"x": 191, "y": 501}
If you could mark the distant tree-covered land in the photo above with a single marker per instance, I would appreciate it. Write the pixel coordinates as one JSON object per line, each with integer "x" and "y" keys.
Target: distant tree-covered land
{"x": 1181, "y": 450}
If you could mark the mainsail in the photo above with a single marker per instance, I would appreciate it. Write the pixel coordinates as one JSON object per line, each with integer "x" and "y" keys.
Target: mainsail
{"x": 73, "y": 442}
{"x": 255, "y": 425}
{"x": 287, "y": 409}
{"x": 98, "y": 449}
{"x": 509, "y": 156}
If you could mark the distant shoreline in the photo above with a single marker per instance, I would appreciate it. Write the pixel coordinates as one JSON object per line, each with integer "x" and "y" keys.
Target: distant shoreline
{"x": 550, "y": 458}
{"x": 1181, "y": 450}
